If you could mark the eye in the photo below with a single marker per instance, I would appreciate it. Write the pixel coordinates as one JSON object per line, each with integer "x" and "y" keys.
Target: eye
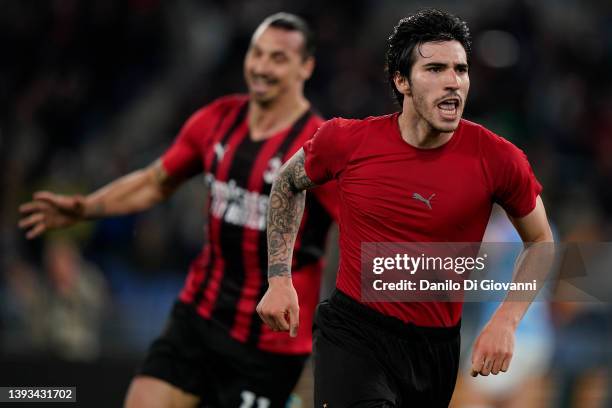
{"x": 434, "y": 69}
{"x": 279, "y": 58}
{"x": 462, "y": 69}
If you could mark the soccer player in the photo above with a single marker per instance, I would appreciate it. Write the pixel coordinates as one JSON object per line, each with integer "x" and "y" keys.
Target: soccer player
{"x": 419, "y": 175}
{"x": 215, "y": 350}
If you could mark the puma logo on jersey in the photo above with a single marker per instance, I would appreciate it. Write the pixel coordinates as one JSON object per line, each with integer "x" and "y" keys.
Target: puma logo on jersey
{"x": 427, "y": 201}
{"x": 274, "y": 166}
{"x": 220, "y": 151}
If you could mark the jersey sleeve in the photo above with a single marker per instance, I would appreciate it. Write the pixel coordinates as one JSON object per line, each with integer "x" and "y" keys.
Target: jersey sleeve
{"x": 515, "y": 186}
{"x": 184, "y": 158}
{"x": 326, "y": 154}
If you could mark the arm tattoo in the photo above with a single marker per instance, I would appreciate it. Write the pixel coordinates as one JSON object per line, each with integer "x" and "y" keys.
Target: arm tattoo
{"x": 287, "y": 200}
{"x": 300, "y": 180}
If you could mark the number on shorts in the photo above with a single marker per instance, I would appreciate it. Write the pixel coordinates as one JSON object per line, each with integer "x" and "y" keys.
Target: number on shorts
{"x": 249, "y": 399}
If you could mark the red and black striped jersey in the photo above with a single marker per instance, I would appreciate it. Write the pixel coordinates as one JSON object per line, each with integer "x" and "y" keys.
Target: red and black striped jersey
{"x": 229, "y": 277}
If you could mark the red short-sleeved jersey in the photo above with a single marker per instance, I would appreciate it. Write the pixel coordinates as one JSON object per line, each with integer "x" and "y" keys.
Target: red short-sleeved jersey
{"x": 229, "y": 277}
{"x": 378, "y": 175}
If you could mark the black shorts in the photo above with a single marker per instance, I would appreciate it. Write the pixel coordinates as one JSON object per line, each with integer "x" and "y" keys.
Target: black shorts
{"x": 201, "y": 358}
{"x": 365, "y": 359}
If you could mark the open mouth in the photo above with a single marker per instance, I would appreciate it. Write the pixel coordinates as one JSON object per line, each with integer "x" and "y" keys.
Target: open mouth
{"x": 261, "y": 84}
{"x": 449, "y": 107}
{"x": 258, "y": 79}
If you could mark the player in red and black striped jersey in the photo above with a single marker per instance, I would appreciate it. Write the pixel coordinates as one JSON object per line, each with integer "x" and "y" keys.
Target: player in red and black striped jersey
{"x": 226, "y": 281}
{"x": 215, "y": 351}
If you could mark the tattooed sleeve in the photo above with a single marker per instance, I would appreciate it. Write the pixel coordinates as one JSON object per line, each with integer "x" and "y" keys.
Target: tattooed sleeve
{"x": 287, "y": 200}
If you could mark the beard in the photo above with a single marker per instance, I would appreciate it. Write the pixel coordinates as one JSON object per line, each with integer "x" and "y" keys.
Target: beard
{"x": 262, "y": 100}
{"x": 427, "y": 112}
{"x": 269, "y": 92}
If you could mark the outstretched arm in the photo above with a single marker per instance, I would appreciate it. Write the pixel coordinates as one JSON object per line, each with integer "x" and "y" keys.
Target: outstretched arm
{"x": 279, "y": 307}
{"x": 494, "y": 346}
{"x": 131, "y": 193}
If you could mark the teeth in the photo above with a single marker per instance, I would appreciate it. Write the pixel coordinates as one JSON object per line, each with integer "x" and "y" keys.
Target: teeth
{"x": 449, "y": 105}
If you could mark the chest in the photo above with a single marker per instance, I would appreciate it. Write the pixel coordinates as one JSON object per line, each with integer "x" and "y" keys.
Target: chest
{"x": 243, "y": 163}
{"x": 444, "y": 197}
{"x": 239, "y": 174}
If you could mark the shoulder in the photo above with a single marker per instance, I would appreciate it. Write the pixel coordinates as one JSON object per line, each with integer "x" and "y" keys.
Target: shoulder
{"x": 232, "y": 100}
{"x": 491, "y": 144}
{"x": 346, "y": 136}
{"x": 351, "y": 128}
{"x": 225, "y": 103}
{"x": 336, "y": 134}
{"x": 358, "y": 124}
{"x": 216, "y": 108}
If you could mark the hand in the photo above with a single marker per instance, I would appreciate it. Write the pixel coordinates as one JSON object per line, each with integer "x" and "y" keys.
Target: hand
{"x": 49, "y": 211}
{"x": 493, "y": 348}
{"x": 279, "y": 307}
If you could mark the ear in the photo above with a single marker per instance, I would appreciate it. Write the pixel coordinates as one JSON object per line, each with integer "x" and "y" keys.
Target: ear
{"x": 308, "y": 66}
{"x": 401, "y": 83}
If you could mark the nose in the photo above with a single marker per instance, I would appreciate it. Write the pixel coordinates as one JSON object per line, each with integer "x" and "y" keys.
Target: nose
{"x": 261, "y": 66}
{"x": 451, "y": 80}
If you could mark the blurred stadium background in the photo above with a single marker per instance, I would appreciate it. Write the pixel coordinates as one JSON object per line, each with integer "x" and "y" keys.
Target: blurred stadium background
{"x": 93, "y": 89}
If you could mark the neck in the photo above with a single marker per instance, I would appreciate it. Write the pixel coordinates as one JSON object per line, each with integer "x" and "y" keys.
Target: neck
{"x": 417, "y": 132}
{"x": 266, "y": 120}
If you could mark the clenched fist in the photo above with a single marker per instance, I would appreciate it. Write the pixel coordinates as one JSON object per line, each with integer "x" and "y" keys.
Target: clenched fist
{"x": 279, "y": 307}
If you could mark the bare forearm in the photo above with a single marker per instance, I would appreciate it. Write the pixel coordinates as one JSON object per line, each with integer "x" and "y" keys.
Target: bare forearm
{"x": 287, "y": 200}
{"x": 534, "y": 264}
{"x": 494, "y": 347}
{"x": 134, "y": 192}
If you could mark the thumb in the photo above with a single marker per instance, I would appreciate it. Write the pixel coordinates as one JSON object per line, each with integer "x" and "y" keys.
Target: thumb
{"x": 51, "y": 198}
{"x": 294, "y": 321}
{"x": 61, "y": 201}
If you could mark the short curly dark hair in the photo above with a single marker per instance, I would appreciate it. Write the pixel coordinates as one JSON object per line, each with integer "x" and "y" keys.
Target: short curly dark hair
{"x": 424, "y": 26}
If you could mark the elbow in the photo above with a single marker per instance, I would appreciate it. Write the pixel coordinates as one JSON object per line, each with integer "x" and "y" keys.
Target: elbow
{"x": 284, "y": 183}
{"x": 544, "y": 236}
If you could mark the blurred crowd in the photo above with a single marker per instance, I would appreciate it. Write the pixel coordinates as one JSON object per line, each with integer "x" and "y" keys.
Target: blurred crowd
{"x": 92, "y": 90}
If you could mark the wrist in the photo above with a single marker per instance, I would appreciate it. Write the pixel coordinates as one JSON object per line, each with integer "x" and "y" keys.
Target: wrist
{"x": 87, "y": 209}
{"x": 279, "y": 269}
{"x": 280, "y": 281}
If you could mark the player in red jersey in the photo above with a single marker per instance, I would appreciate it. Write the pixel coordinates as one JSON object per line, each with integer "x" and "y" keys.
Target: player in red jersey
{"x": 215, "y": 350}
{"x": 420, "y": 175}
